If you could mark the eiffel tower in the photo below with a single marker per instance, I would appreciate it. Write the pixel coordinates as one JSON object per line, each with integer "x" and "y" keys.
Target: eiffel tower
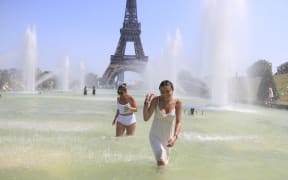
{"x": 120, "y": 62}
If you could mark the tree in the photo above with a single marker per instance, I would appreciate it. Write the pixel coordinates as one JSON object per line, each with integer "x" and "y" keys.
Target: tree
{"x": 259, "y": 68}
{"x": 283, "y": 68}
{"x": 192, "y": 86}
{"x": 263, "y": 69}
{"x": 8, "y": 77}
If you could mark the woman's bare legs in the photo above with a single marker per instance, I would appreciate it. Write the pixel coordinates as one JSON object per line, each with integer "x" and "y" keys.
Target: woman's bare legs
{"x": 131, "y": 129}
{"x": 161, "y": 163}
{"x": 120, "y": 128}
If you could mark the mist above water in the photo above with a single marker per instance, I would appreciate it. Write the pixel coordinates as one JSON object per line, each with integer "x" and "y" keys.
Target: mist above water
{"x": 224, "y": 33}
{"x": 221, "y": 53}
{"x": 30, "y": 60}
{"x": 168, "y": 64}
{"x": 222, "y": 41}
{"x": 83, "y": 72}
{"x": 65, "y": 74}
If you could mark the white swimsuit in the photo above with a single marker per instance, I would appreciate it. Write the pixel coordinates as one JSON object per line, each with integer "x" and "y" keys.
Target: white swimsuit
{"x": 125, "y": 120}
{"x": 160, "y": 133}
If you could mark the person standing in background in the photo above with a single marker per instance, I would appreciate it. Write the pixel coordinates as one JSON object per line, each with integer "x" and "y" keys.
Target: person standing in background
{"x": 85, "y": 91}
{"x": 93, "y": 90}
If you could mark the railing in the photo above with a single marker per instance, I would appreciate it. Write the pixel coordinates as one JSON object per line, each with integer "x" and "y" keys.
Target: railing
{"x": 127, "y": 58}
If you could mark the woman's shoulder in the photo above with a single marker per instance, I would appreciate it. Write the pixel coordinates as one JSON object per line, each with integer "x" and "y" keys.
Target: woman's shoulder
{"x": 178, "y": 102}
{"x": 130, "y": 97}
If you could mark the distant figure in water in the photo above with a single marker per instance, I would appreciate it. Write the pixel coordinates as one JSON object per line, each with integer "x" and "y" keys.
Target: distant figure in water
{"x": 85, "y": 91}
{"x": 94, "y": 90}
{"x": 162, "y": 133}
{"x": 125, "y": 118}
{"x": 192, "y": 111}
{"x": 271, "y": 95}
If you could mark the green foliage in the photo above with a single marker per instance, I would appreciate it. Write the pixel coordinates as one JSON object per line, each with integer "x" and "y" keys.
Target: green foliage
{"x": 7, "y": 76}
{"x": 283, "y": 68}
{"x": 266, "y": 82}
{"x": 281, "y": 81}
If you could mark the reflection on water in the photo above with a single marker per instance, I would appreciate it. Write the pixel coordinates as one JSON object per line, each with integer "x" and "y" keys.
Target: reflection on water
{"x": 68, "y": 136}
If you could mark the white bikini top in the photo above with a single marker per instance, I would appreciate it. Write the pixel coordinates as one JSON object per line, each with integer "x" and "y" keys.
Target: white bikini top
{"x": 121, "y": 108}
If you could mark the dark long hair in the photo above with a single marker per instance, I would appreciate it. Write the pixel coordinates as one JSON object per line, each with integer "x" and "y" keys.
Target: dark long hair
{"x": 166, "y": 83}
{"x": 122, "y": 87}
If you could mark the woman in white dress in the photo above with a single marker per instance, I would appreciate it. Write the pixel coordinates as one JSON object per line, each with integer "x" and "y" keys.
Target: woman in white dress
{"x": 167, "y": 109}
{"x": 271, "y": 94}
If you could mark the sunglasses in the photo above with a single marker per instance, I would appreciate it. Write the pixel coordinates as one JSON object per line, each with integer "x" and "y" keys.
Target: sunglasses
{"x": 120, "y": 92}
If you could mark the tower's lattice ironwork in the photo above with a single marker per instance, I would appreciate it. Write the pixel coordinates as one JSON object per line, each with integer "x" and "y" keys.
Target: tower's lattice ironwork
{"x": 120, "y": 62}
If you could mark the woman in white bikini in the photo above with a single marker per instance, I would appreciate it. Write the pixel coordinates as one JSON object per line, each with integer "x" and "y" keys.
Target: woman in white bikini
{"x": 125, "y": 118}
{"x": 167, "y": 109}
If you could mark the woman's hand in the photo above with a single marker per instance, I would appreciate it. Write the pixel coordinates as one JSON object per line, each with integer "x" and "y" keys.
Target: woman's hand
{"x": 149, "y": 97}
{"x": 172, "y": 141}
{"x": 127, "y": 107}
{"x": 114, "y": 122}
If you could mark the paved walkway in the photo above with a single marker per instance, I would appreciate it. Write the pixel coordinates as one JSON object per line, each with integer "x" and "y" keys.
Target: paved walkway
{"x": 280, "y": 104}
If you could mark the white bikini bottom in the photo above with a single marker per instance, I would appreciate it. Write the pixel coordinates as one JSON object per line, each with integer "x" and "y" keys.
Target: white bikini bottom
{"x": 126, "y": 120}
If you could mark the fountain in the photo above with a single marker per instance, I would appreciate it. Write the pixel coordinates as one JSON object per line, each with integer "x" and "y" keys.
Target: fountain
{"x": 66, "y": 79}
{"x": 224, "y": 34}
{"x": 82, "y": 75}
{"x": 64, "y": 75}
{"x": 166, "y": 66}
{"x": 222, "y": 59}
{"x": 30, "y": 63}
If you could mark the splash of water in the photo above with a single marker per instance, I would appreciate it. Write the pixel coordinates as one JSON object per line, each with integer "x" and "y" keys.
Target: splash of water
{"x": 167, "y": 66}
{"x": 29, "y": 65}
{"x": 65, "y": 75}
{"x": 217, "y": 138}
{"x": 82, "y": 74}
{"x": 45, "y": 78}
{"x": 223, "y": 39}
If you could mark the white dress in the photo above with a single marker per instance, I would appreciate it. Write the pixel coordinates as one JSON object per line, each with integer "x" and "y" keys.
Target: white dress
{"x": 160, "y": 132}
{"x": 271, "y": 94}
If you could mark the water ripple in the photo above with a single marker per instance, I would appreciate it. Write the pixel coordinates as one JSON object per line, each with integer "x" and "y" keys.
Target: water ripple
{"x": 46, "y": 126}
{"x": 206, "y": 137}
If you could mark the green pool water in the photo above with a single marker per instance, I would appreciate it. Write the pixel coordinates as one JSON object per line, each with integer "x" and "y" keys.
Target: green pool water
{"x": 56, "y": 135}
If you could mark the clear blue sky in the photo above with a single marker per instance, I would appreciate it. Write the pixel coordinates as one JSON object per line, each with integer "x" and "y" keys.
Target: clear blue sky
{"x": 88, "y": 30}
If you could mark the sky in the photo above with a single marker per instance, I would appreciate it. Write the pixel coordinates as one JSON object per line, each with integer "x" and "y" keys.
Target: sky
{"x": 88, "y": 30}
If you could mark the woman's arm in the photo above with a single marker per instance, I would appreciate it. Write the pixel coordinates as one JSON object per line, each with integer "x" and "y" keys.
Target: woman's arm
{"x": 133, "y": 106}
{"x": 117, "y": 113}
{"x": 149, "y": 107}
{"x": 178, "y": 123}
{"x": 178, "y": 118}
